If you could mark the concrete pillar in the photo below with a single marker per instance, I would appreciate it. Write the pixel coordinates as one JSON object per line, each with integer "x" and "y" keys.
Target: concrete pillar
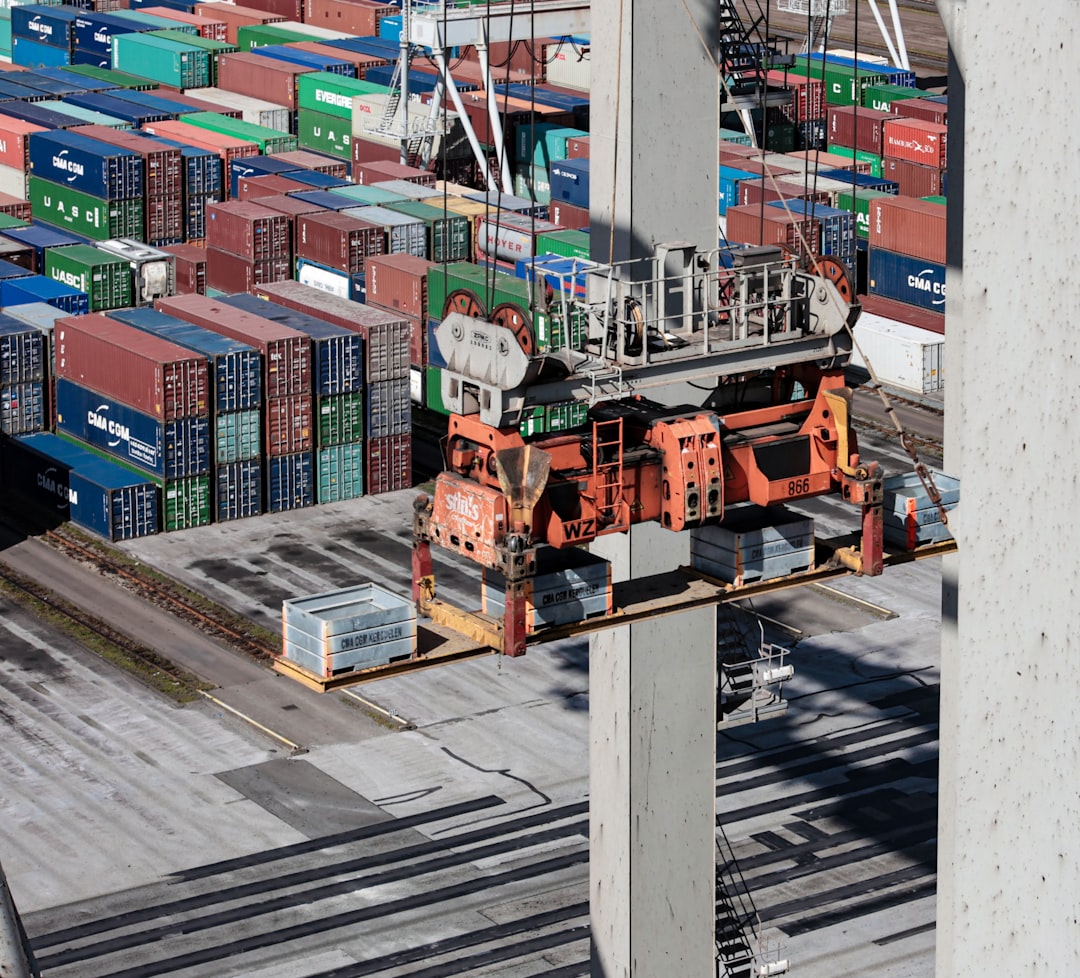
{"x": 652, "y": 728}
{"x": 1008, "y": 876}
{"x": 653, "y": 126}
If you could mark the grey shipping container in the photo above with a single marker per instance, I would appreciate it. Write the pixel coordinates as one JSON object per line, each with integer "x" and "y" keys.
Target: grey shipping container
{"x": 388, "y": 408}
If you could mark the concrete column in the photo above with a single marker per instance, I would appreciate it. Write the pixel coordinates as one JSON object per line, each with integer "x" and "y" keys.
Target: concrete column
{"x": 1008, "y": 876}
{"x": 652, "y": 724}
{"x": 653, "y": 126}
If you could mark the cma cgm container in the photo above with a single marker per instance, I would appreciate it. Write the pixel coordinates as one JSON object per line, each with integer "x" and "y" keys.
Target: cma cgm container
{"x": 45, "y": 24}
{"x": 105, "y": 278}
{"x": 168, "y": 449}
{"x": 235, "y": 367}
{"x": 101, "y": 496}
{"x": 386, "y": 336}
{"x": 255, "y": 166}
{"x": 286, "y": 352}
{"x": 246, "y": 229}
{"x": 914, "y": 281}
{"x": 88, "y": 216}
{"x": 337, "y": 353}
{"x": 337, "y": 240}
{"x": 145, "y": 372}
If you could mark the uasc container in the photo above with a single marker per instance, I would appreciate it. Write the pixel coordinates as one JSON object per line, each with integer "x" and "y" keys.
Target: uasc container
{"x": 105, "y": 278}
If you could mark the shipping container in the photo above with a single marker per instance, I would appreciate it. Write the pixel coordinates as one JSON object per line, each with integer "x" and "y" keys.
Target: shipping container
{"x": 448, "y": 234}
{"x": 758, "y": 226}
{"x": 246, "y": 229}
{"x": 201, "y": 168}
{"x": 337, "y": 354}
{"x": 398, "y": 283}
{"x": 254, "y": 188}
{"x": 864, "y": 181}
{"x": 909, "y": 226}
{"x": 101, "y": 496}
{"x": 323, "y": 199}
{"x": 387, "y": 408}
{"x": 386, "y": 335}
{"x": 105, "y": 278}
{"x": 255, "y": 166}
{"x": 80, "y": 116}
{"x": 359, "y": 18}
{"x": 153, "y": 272}
{"x": 324, "y": 134}
{"x": 380, "y": 172}
{"x": 14, "y": 143}
{"x": 404, "y": 234}
{"x": 510, "y": 237}
{"x": 214, "y": 30}
{"x": 916, "y": 141}
{"x": 226, "y": 272}
{"x": 330, "y": 94}
{"x": 249, "y": 74}
{"x": 238, "y": 436}
{"x": 143, "y": 19}
{"x": 23, "y": 352}
{"x": 234, "y": 17}
{"x": 317, "y": 163}
{"x": 161, "y": 164}
{"x": 13, "y": 253}
{"x": 9, "y": 270}
{"x": 858, "y": 203}
{"x": 121, "y": 79}
{"x": 257, "y": 111}
{"x": 462, "y": 285}
{"x": 39, "y": 114}
{"x": 290, "y": 207}
{"x": 387, "y": 464}
{"x": 47, "y": 25}
{"x": 308, "y": 59}
{"x": 360, "y": 63}
{"x": 41, "y": 237}
{"x": 286, "y": 352}
{"x": 238, "y": 490}
{"x": 38, "y": 288}
{"x": 916, "y": 281}
{"x": 167, "y": 449}
{"x": 23, "y": 408}
{"x": 88, "y": 216}
{"x": 339, "y": 472}
{"x": 570, "y": 182}
{"x": 348, "y": 285}
{"x": 116, "y": 108}
{"x": 857, "y": 128}
{"x": 168, "y": 100}
{"x": 227, "y": 147}
{"x": 337, "y": 240}
{"x": 168, "y": 62}
{"x": 837, "y": 228}
{"x": 268, "y": 140}
{"x": 914, "y": 179}
{"x": 185, "y": 503}
{"x": 190, "y": 263}
{"x": 922, "y": 108}
{"x": 929, "y": 319}
{"x": 358, "y": 195}
{"x": 288, "y": 424}
{"x": 290, "y": 482}
{"x": 900, "y": 355}
{"x": 235, "y": 368}
{"x": 339, "y": 419}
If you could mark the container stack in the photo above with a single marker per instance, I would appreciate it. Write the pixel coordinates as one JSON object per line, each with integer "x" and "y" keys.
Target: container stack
{"x": 23, "y": 377}
{"x": 288, "y": 479}
{"x": 142, "y": 400}
{"x": 235, "y": 372}
{"x": 247, "y": 245}
{"x": 325, "y": 111}
{"x": 907, "y": 251}
{"x": 15, "y": 155}
{"x": 42, "y": 36}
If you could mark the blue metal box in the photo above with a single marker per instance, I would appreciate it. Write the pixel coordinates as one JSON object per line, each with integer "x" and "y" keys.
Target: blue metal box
{"x": 95, "y": 168}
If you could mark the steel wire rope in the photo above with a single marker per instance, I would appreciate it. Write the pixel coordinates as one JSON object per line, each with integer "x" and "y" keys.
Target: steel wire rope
{"x": 925, "y": 476}
{"x": 500, "y": 151}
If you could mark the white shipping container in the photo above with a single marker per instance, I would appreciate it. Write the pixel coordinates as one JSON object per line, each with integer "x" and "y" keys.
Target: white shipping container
{"x": 257, "y": 111}
{"x": 323, "y": 279}
{"x": 570, "y": 67}
{"x": 367, "y": 112}
{"x": 312, "y": 31}
{"x": 902, "y": 356}
{"x": 13, "y": 182}
{"x": 416, "y": 385}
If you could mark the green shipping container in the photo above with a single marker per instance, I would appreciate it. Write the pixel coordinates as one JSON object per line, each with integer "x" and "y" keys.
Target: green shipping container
{"x": 330, "y": 94}
{"x": 237, "y": 436}
{"x": 7, "y": 221}
{"x": 551, "y": 333}
{"x": 859, "y": 154}
{"x": 121, "y": 79}
{"x": 340, "y": 419}
{"x": 532, "y": 183}
{"x": 433, "y": 399}
{"x": 170, "y": 62}
{"x": 268, "y": 140}
{"x": 89, "y": 216}
{"x": 936, "y": 199}
{"x": 363, "y": 194}
{"x": 448, "y": 234}
{"x": 250, "y": 36}
{"x": 212, "y": 48}
{"x": 340, "y": 472}
{"x": 781, "y": 137}
{"x": 569, "y": 244}
{"x": 736, "y": 136}
{"x": 106, "y": 279}
{"x": 185, "y": 503}
{"x": 881, "y": 97}
{"x": 567, "y": 415}
{"x": 324, "y": 134}
{"x": 841, "y": 85}
{"x": 487, "y": 288}
{"x": 534, "y": 421}
{"x": 858, "y": 203}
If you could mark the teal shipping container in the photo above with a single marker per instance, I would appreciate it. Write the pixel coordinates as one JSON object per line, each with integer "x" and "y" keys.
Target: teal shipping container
{"x": 168, "y": 62}
{"x": 340, "y": 472}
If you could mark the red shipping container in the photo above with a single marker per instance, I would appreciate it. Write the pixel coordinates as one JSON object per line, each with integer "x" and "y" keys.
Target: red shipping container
{"x": 337, "y": 240}
{"x": 164, "y": 164}
{"x": 730, "y": 149}
{"x": 14, "y": 145}
{"x": 351, "y": 16}
{"x": 808, "y": 96}
{"x": 417, "y": 342}
{"x": 287, "y": 424}
{"x": 286, "y": 352}
{"x": 268, "y": 185}
{"x": 578, "y": 148}
{"x": 909, "y": 226}
{"x": 524, "y": 60}
{"x": 854, "y": 127}
{"x": 138, "y": 369}
{"x": 290, "y": 207}
{"x": 903, "y": 313}
{"x": 227, "y": 147}
{"x": 758, "y": 191}
{"x": 366, "y": 151}
{"x": 212, "y": 30}
{"x": 18, "y": 254}
{"x": 235, "y": 18}
{"x": 259, "y": 77}
{"x": 399, "y": 283}
{"x": 568, "y": 216}
{"x": 361, "y": 62}
{"x": 190, "y": 268}
{"x": 15, "y": 207}
{"x": 821, "y": 160}
{"x": 916, "y": 141}
{"x": 246, "y": 229}
{"x": 920, "y": 108}
{"x": 164, "y": 219}
{"x": 307, "y": 160}
{"x": 287, "y": 9}
{"x": 387, "y": 464}
{"x": 227, "y": 272}
{"x": 915, "y": 180}
{"x": 368, "y": 173}
{"x": 772, "y": 226}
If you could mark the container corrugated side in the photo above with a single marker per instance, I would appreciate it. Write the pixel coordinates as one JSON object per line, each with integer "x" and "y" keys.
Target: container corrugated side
{"x": 88, "y": 216}
{"x": 387, "y": 408}
{"x": 909, "y": 226}
{"x": 23, "y": 408}
{"x": 338, "y": 240}
{"x": 388, "y": 464}
{"x": 237, "y": 436}
{"x": 901, "y": 355}
{"x": 339, "y": 419}
{"x": 238, "y": 490}
{"x": 23, "y": 352}
{"x": 106, "y": 279}
{"x": 340, "y": 472}
{"x": 399, "y": 283}
{"x": 227, "y": 272}
{"x": 290, "y": 482}
{"x": 185, "y": 503}
{"x": 915, "y": 281}
{"x": 95, "y": 168}
{"x": 244, "y": 228}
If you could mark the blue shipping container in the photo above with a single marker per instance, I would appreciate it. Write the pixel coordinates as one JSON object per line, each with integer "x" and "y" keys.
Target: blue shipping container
{"x": 81, "y": 57}
{"x": 315, "y": 178}
{"x": 116, "y": 107}
{"x": 255, "y": 166}
{"x": 41, "y": 82}
{"x": 10, "y": 90}
{"x": 337, "y": 353}
{"x": 238, "y": 490}
{"x": 95, "y": 168}
{"x": 290, "y": 482}
{"x": 94, "y": 32}
{"x": 22, "y": 352}
{"x": 912, "y": 280}
{"x": 46, "y": 118}
{"x": 380, "y": 47}
{"x": 236, "y": 368}
{"x": 97, "y": 494}
{"x": 279, "y": 52}
{"x": 322, "y": 198}
{"x": 729, "y": 181}
{"x": 202, "y": 168}
{"x": 33, "y": 54}
{"x": 38, "y": 288}
{"x": 387, "y": 408}
{"x": 51, "y": 26}
{"x": 570, "y": 182}
{"x": 903, "y": 77}
{"x": 8, "y": 269}
{"x": 862, "y": 181}
{"x": 22, "y": 408}
{"x": 81, "y": 82}
{"x": 837, "y": 227}
{"x": 171, "y": 451}
{"x": 40, "y": 237}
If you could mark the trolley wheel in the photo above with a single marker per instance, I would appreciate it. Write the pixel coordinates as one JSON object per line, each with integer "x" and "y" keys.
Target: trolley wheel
{"x": 836, "y": 272}
{"x": 514, "y": 319}
{"x": 466, "y": 302}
